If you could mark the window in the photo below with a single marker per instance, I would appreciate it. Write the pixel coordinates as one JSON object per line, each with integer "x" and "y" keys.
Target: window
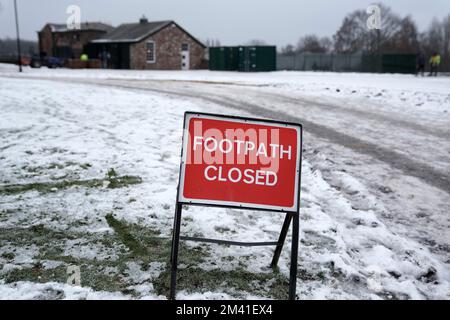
{"x": 184, "y": 47}
{"x": 151, "y": 55}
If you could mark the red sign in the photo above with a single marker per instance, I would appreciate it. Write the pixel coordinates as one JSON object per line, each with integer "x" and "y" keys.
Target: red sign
{"x": 240, "y": 162}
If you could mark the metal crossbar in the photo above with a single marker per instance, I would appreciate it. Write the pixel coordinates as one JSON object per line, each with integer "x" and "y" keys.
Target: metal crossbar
{"x": 278, "y": 247}
{"x": 231, "y": 243}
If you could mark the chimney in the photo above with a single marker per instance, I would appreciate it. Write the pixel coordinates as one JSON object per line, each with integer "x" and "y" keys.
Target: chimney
{"x": 143, "y": 20}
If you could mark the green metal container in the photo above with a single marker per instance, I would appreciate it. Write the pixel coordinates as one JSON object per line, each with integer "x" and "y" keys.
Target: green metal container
{"x": 223, "y": 58}
{"x": 243, "y": 58}
{"x": 213, "y": 58}
{"x": 231, "y": 58}
{"x": 257, "y": 58}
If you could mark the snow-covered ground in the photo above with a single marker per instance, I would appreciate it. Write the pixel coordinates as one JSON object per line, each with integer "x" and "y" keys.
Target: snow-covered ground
{"x": 89, "y": 164}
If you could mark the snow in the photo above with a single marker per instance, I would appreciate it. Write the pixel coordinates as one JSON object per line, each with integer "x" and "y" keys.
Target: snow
{"x": 357, "y": 242}
{"x": 404, "y": 92}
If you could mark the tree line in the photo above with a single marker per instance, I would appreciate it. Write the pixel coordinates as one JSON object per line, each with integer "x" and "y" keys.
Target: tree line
{"x": 397, "y": 35}
{"x": 8, "y": 47}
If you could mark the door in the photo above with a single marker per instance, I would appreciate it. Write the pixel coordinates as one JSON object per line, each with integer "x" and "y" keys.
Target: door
{"x": 124, "y": 52}
{"x": 185, "y": 56}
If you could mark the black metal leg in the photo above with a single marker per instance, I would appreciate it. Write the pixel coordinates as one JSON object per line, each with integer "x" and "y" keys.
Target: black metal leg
{"x": 281, "y": 239}
{"x": 175, "y": 246}
{"x": 294, "y": 258}
{"x": 173, "y": 231}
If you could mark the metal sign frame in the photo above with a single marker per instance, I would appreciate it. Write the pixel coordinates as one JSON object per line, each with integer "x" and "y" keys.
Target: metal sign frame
{"x": 291, "y": 215}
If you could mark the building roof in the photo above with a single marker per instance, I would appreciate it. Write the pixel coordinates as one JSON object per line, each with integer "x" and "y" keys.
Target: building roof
{"x": 136, "y": 32}
{"x": 133, "y": 32}
{"x": 85, "y": 26}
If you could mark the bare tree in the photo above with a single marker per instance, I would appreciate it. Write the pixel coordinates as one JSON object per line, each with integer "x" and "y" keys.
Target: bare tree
{"x": 256, "y": 42}
{"x": 446, "y": 34}
{"x": 350, "y": 37}
{"x": 312, "y": 43}
{"x": 354, "y": 36}
{"x": 405, "y": 40}
{"x": 288, "y": 50}
{"x": 437, "y": 39}
{"x": 327, "y": 44}
{"x": 212, "y": 43}
{"x": 433, "y": 40}
{"x": 8, "y": 46}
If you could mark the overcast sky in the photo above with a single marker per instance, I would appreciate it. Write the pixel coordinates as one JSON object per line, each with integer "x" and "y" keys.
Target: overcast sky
{"x": 231, "y": 21}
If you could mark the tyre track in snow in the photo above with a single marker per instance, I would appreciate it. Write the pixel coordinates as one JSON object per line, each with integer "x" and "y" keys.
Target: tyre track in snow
{"x": 404, "y": 163}
{"x": 364, "y": 115}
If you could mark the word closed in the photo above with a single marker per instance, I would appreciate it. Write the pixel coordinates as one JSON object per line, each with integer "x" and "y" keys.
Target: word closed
{"x": 240, "y": 162}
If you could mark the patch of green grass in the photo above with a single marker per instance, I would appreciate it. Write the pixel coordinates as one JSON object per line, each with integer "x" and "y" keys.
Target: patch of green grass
{"x": 222, "y": 229}
{"x": 38, "y": 235}
{"x": 51, "y": 247}
{"x": 144, "y": 245}
{"x": 8, "y": 255}
{"x": 321, "y": 275}
{"x": 85, "y": 166}
{"x": 37, "y": 274}
{"x": 54, "y": 165}
{"x": 92, "y": 275}
{"x": 123, "y": 232}
{"x": 228, "y": 258}
{"x": 111, "y": 180}
{"x": 270, "y": 284}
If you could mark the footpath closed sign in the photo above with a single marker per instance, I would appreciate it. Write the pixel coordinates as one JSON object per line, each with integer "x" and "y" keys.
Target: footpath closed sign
{"x": 240, "y": 162}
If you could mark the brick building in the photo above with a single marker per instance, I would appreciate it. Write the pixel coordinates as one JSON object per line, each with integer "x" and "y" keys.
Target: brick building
{"x": 161, "y": 45}
{"x": 58, "y": 41}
